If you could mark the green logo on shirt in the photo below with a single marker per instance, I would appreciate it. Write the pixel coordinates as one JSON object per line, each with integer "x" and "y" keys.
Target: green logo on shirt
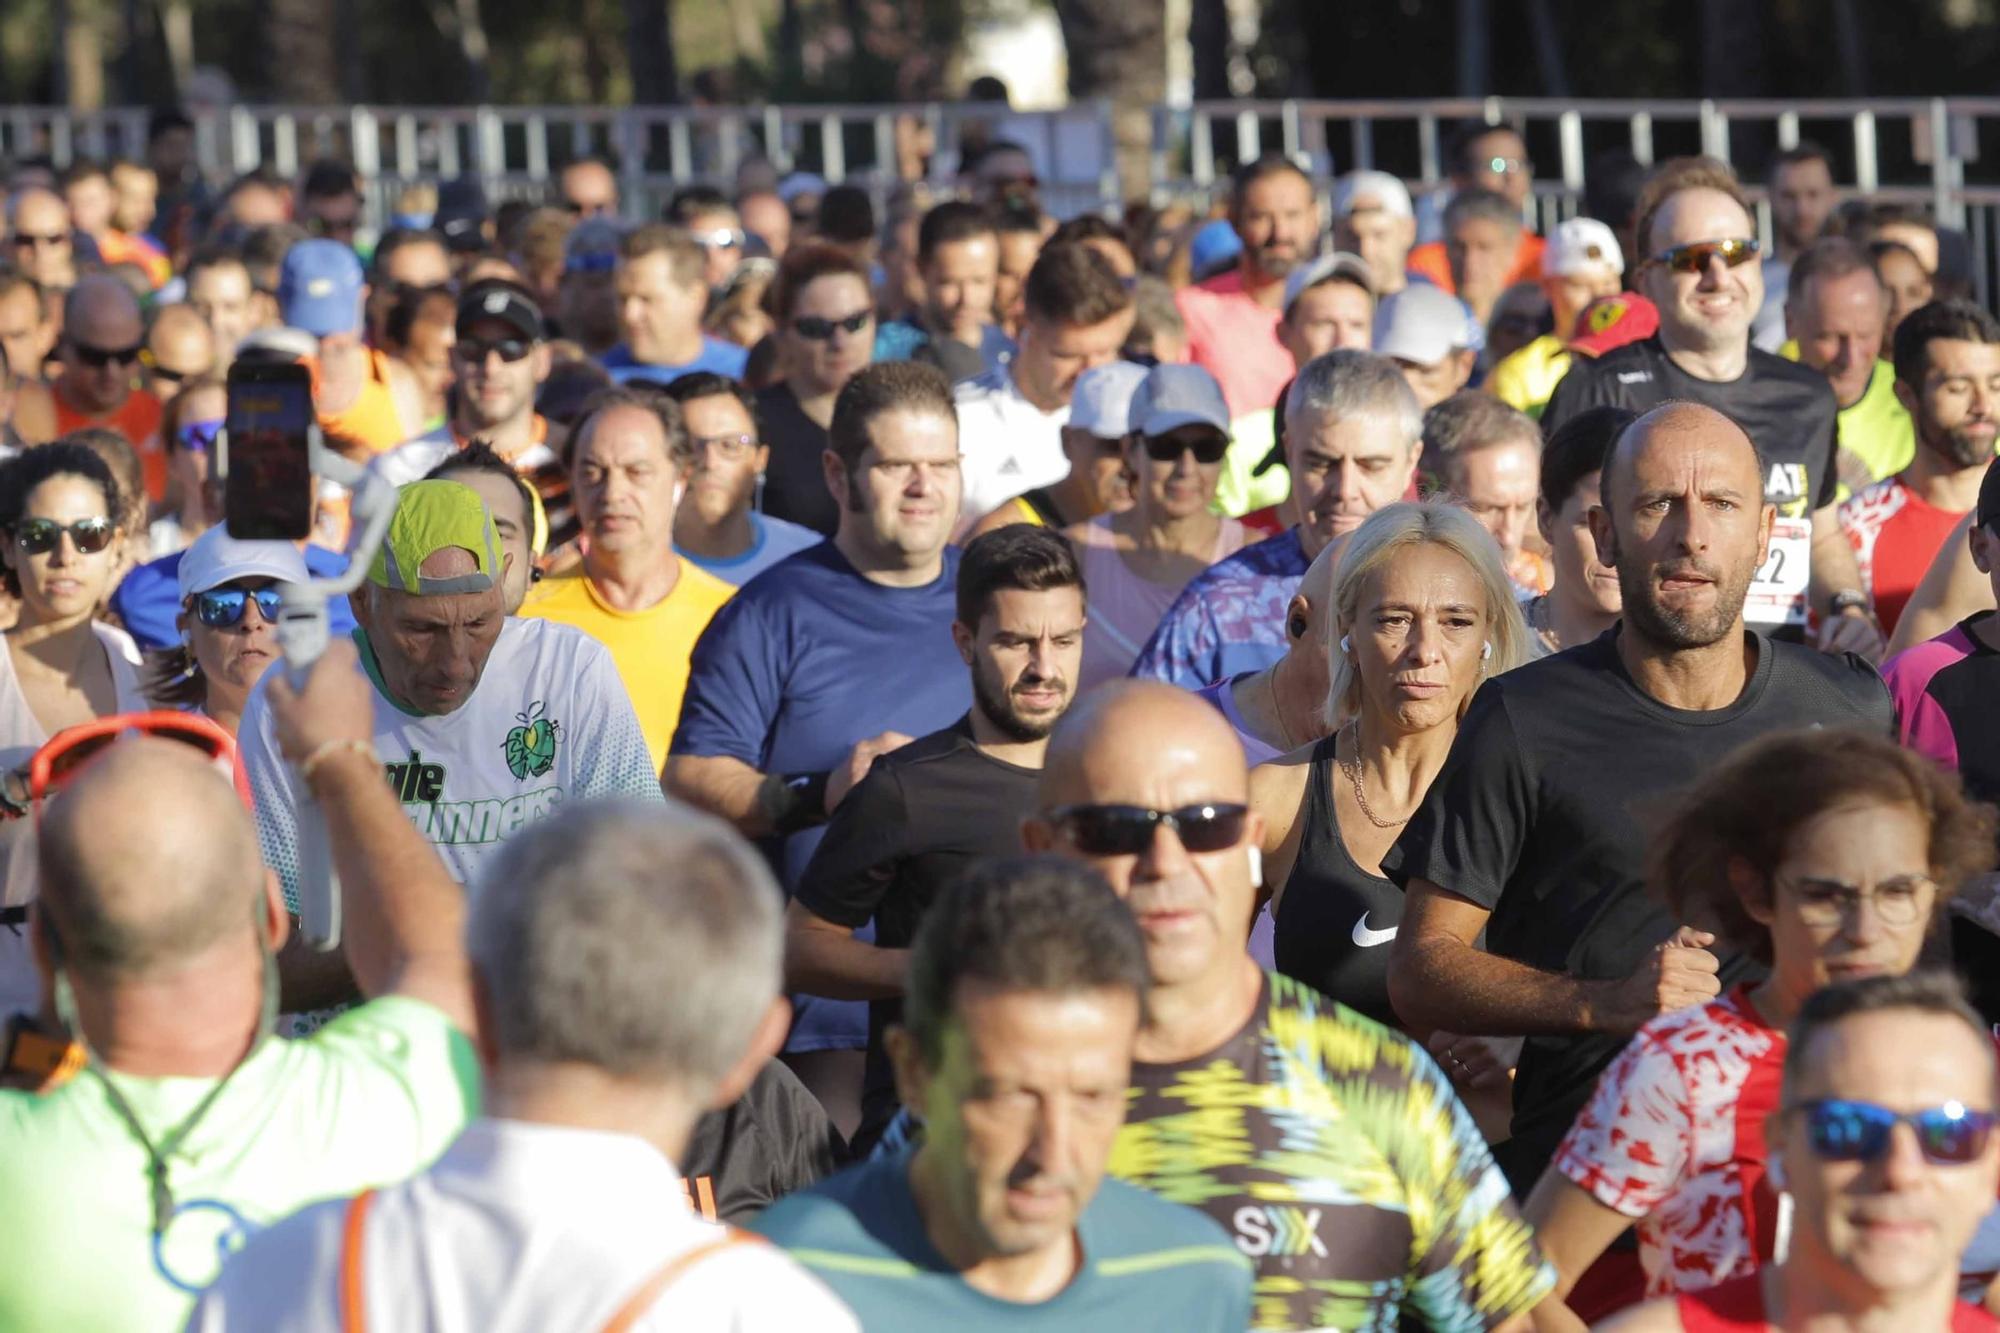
{"x": 531, "y": 747}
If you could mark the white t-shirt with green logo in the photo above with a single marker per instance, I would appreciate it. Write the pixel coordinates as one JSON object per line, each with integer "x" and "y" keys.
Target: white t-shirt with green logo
{"x": 548, "y": 722}
{"x": 372, "y": 1097}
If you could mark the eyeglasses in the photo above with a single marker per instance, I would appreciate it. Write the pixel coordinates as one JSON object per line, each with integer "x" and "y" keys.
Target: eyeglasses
{"x": 99, "y": 357}
{"x": 814, "y": 329}
{"x": 731, "y": 447}
{"x": 221, "y": 608}
{"x": 38, "y": 536}
{"x": 473, "y": 351}
{"x": 24, "y": 240}
{"x": 722, "y": 238}
{"x": 1127, "y": 830}
{"x": 1208, "y": 450}
{"x": 1845, "y": 1131}
{"x": 1829, "y": 903}
{"x": 1510, "y": 166}
{"x": 198, "y": 437}
{"x": 1695, "y": 256}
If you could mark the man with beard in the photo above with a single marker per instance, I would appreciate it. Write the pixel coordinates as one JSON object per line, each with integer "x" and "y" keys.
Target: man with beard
{"x": 1948, "y": 376}
{"x": 944, "y": 801}
{"x": 1533, "y": 832}
{"x": 1701, "y": 271}
{"x": 1232, "y": 319}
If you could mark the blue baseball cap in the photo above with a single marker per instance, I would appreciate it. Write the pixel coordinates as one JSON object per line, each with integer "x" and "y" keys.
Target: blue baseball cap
{"x": 1215, "y": 247}
{"x": 319, "y": 288}
{"x": 1172, "y": 396}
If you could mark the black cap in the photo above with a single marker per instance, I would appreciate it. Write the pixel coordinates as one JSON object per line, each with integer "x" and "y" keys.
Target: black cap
{"x": 1989, "y": 496}
{"x": 461, "y": 214}
{"x": 496, "y": 298}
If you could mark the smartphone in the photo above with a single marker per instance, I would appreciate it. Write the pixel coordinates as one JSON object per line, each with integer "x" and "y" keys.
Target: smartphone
{"x": 268, "y": 494}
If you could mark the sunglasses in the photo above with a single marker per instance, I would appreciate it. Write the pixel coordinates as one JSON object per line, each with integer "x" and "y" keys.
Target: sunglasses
{"x": 100, "y": 357}
{"x": 1509, "y": 166}
{"x": 1695, "y": 257}
{"x": 1208, "y": 450}
{"x": 57, "y": 763}
{"x": 38, "y": 536}
{"x": 198, "y": 437}
{"x": 814, "y": 329}
{"x": 473, "y": 352}
{"x": 1844, "y": 1131}
{"x": 220, "y": 608}
{"x": 1127, "y": 830}
{"x": 722, "y": 238}
{"x": 24, "y": 240}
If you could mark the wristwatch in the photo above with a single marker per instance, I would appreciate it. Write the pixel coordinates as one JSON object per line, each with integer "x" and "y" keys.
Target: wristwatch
{"x": 1849, "y": 599}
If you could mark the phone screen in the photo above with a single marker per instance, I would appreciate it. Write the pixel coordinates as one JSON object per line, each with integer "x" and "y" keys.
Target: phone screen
{"x": 269, "y": 491}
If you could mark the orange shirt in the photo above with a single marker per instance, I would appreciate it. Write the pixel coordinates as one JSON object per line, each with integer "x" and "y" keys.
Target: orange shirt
{"x": 371, "y": 423}
{"x": 137, "y": 419}
{"x": 1429, "y": 262}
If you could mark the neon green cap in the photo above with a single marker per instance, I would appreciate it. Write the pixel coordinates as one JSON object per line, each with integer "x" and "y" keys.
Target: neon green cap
{"x": 433, "y": 516}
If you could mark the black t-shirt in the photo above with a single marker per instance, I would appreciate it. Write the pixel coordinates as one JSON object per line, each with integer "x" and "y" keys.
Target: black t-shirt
{"x": 1335, "y": 920}
{"x": 1787, "y": 408}
{"x": 772, "y": 1141}
{"x": 1541, "y": 814}
{"x": 921, "y": 817}
{"x": 795, "y": 480}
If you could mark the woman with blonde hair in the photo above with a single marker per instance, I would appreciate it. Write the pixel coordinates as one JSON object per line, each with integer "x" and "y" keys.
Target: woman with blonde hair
{"x": 1422, "y": 614}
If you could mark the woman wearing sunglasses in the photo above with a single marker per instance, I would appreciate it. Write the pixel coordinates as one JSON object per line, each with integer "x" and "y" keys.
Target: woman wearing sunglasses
{"x": 1137, "y": 561}
{"x": 228, "y": 622}
{"x": 1824, "y": 855}
{"x": 188, "y": 429}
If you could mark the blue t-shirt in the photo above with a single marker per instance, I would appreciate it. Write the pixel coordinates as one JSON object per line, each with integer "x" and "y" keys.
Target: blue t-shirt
{"x": 150, "y": 597}
{"x": 808, "y": 658}
{"x": 1230, "y": 619}
{"x": 771, "y": 540}
{"x": 721, "y": 357}
{"x": 1146, "y": 1264}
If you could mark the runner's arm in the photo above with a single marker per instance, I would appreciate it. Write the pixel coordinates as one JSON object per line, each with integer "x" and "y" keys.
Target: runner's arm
{"x": 1573, "y": 1229}
{"x": 722, "y": 785}
{"x": 1834, "y": 570}
{"x": 823, "y": 958}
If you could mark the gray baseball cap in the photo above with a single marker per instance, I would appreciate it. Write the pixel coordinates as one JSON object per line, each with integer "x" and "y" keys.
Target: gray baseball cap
{"x": 1172, "y": 396}
{"x": 1423, "y": 325}
{"x": 1101, "y": 402}
{"x": 1336, "y": 264}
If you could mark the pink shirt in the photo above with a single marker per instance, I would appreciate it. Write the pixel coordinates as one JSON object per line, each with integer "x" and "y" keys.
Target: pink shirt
{"x": 1235, "y": 339}
{"x": 1124, "y": 608}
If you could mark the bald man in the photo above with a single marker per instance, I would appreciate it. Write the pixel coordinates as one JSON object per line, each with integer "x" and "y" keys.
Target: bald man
{"x": 191, "y": 1126}
{"x": 179, "y": 347}
{"x": 102, "y": 338}
{"x": 1146, "y": 783}
{"x": 1532, "y": 831}
{"x": 41, "y": 238}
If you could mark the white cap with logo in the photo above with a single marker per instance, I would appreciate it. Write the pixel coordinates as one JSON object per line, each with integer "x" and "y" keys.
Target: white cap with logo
{"x": 1579, "y": 245}
{"x": 1371, "y": 189}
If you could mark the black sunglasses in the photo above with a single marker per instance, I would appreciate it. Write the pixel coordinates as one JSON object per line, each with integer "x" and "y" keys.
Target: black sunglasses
{"x": 815, "y": 329}
{"x": 1208, "y": 450}
{"x": 100, "y": 357}
{"x": 1127, "y": 830}
{"x": 219, "y": 608}
{"x": 473, "y": 351}
{"x": 38, "y": 536}
{"x": 1846, "y": 1131}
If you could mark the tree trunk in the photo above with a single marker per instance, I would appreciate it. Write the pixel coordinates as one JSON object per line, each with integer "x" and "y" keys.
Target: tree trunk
{"x": 177, "y": 31}
{"x": 300, "y": 41}
{"x": 82, "y": 67}
{"x": 746, "y": 33}
{"x": 1118, "y": 50}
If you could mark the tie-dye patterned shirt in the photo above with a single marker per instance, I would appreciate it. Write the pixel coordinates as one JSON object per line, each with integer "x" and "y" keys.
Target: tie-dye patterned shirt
{"x": 1230, "y": 618}
{"x": 1333, "y": 1150}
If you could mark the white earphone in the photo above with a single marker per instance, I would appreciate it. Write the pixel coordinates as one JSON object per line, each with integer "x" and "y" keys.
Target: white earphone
{"x": 1486, "y": 650}
{"x": 1345, "y": 646}
{"x": 1256, "y": 864}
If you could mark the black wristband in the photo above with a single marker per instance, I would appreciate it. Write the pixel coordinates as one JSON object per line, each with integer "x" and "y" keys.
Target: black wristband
{"x": 794, "y": 801}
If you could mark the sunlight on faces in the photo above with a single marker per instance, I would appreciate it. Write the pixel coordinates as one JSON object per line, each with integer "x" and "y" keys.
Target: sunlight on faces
{"x": 1099, "y": 462}
{"x": 1052, "y": 354}
{"x": 1909, "y": 285}
{"x": 105, "y": 315}
{"x": 1278, "y": 221}
{"x": 1919, "y": 239}
{"x": 1382, "y": 239}
{"x": 718, "y": 261}
{"x": 657, "y": 314}
{"x": 1683, "y": 520}
{"x": 1021, "y": 1113}
{"x": 1434, "y": 383}
{"x": 720, "y": 485}
{"x": 421, "y": 263}
{"x": 822, "y": 366}
{"x": 1017, "y": 255}
{"x": 90, "y": 204}
{"x": 493, "y": 391}
{"x": 1579, "y": 575}
{"x": 1899, "y": 1223}
{"x": 1416, "y": 637}
{"x": 902, "y": 497}
{"x": 182, "y": 346}
{"x": 432, "y": 650}
{"x": 236, "y": 655}
{"x": 1570, "y": 294}
{"x": 1180, "y": 487}
{"x": 1025, "y": 654}
{"x": 1326, "y": 319}
{"x": 41, "y": 213}
{"x": 63, "y": 582}
{"x": 1708, "y": 311}
{"x": 960, "y": 280}
{"x": 1864, "y": 845}
{"x": 1497, "y": 485}
{"x": 589, "y": 189}
{"x": 26, "y": 332}
{"x": 1502, "y": 143}
{"x": 220, "y": 294}
{"x": 1958, "y": 411}
{"x": 1481, "y": 252}
{"x": 626, "y": 483}
{"x": 1839, "y": 329}
{"x": 512, "y": 520}
{"x": 1345, "y": 468}
{"x": 1802, "y": 199}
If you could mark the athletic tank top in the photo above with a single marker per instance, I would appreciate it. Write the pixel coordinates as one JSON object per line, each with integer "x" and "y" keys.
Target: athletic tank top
{"x": 1335, "y": 920}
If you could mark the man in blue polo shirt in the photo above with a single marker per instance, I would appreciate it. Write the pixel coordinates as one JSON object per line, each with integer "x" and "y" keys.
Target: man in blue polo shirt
{"x": 661, "y": 297}
{"x": 832, "y": 656}
{"x": 1027, "y": 981}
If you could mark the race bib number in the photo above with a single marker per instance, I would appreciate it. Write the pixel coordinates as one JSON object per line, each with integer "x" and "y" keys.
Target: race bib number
{"x": 1778, "y": 593}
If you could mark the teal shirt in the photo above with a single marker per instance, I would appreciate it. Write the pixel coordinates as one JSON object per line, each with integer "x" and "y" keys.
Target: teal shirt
{"x": 1146, "y": 1264}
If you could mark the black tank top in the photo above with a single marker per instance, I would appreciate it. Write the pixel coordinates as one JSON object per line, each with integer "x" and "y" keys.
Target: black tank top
{"x": 1335, "y": 920}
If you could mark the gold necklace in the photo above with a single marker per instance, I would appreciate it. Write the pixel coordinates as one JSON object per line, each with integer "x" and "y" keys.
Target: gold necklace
{"x": 1353, "y": 766}
{"x": 1278, "y": 710}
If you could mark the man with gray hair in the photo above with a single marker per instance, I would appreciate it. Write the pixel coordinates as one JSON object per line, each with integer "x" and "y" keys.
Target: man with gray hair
{"x": 1351, "y": 436}
{"x": 624, "y": 971}
{"x": 1488, "y": 457}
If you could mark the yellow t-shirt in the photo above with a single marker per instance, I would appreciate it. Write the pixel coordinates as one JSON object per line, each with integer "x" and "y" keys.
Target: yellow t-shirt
{"x": 1876, "y": 428}
{"x": 651, "y": 647}
{"x": 1527, "y": 379}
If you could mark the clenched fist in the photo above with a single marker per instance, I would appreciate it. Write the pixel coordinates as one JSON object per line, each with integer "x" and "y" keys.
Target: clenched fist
{"x": 1679, "y": 972}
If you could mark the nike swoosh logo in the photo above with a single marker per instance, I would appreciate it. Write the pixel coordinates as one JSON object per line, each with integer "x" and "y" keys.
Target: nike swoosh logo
{"x": 1367, "y": 938}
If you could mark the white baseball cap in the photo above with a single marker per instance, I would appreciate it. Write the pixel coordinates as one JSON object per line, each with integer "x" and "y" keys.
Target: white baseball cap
{"x": 1388, "y": 194}
{"x": 1423, "y": 325}
{"x": 1337, "y": 264}
{"x": 1101, "y": 402}
{"x": 217, "y": 558}
{"x": 1579, "y": 245}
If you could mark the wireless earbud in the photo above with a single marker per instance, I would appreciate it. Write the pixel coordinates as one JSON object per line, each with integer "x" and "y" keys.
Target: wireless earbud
{"x": 1256, "y": 864}
{"x": 1345, "y": 646}
{"x": 1486, "y": 650}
